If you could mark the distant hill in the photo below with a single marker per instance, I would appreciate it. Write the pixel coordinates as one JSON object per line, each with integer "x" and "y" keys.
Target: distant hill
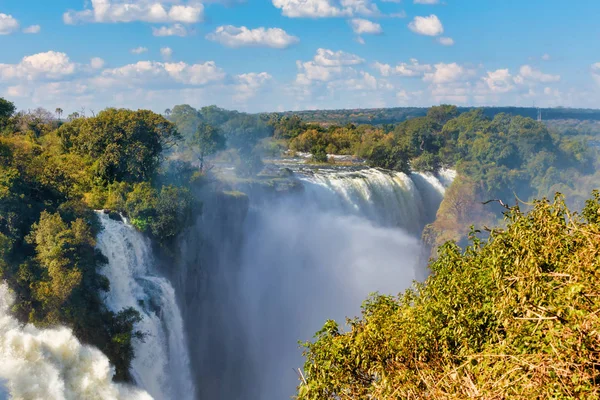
{"x": 377, "y": 116}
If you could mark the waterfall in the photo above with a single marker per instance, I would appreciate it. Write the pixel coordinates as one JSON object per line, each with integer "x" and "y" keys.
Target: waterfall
{"x": 52, "y": 364}
{"x": 388, "y": 198}
{"x": 161, "y": 363}
{"x": 306, "y": 256}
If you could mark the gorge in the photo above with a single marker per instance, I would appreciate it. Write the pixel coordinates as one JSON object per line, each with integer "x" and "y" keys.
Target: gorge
{"x": 253, "y": 276}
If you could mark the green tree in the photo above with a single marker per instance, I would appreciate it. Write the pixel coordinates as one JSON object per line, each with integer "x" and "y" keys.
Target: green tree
{"x": 7, "y": 109}
{"x": 125, "y": 145}
{"x": 206, "y": 141}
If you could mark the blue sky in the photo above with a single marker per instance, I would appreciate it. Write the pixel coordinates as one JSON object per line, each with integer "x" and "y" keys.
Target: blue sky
{"x": 267, "y": 55}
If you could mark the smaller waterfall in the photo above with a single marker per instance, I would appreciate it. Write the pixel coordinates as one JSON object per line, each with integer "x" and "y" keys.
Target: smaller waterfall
{"x": 161, "y": 363}
{"x": 389, "y": 199}
{"x": 52, "y": 364}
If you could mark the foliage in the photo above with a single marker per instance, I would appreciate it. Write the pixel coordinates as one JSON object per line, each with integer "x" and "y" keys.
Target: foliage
{"x": 512, "y": 317}
{"x": 50, "y": 178}
{"x": 125, "y": 145}
{"x": 206, "y": 141}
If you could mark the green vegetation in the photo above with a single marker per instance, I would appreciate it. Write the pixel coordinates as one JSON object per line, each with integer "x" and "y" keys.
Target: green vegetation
{"x": 52, "y": 176}
{"x": 383, "y": 116}
{"x": 515, "y": 316}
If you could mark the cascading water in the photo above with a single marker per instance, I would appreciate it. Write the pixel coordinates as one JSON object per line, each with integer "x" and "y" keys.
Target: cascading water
{"x": 306, "y": 256}
{"x": 387, "y": 198}
{"x": 52, "y": 364}
{"x": 161, "y": 363}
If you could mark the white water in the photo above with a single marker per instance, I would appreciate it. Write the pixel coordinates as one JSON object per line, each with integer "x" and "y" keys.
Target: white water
{"x": 51, "y": 364}
{"x": 390, "y": 199}
{"x": 319, "y": 255}
{"x": 161, "y": 363}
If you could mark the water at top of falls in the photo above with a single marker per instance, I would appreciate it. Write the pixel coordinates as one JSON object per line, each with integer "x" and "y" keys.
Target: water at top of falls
{"x": 388, "y": 198}
{"x": 161, "y": 363}
{"x": 52, "y": 364}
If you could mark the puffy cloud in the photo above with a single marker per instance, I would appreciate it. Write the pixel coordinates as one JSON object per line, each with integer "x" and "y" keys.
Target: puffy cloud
{"x": 412, "y": 69}
{"x": 112, "y": 11}
{"x": 174, "y": 30}
{"x": 325, "y": 8}
{"x": 446, "y": 41}
{"x": 146, "y": 73}
{"x": 248, "y": 85}
{"x": 32, "y": 29}
{"x": 8, "y": 24}
{"x": 528, "y": 74}
{"x": 166, "y": 52}
{"x": 360, "y": 26}
{"x": 232, "y": 36}
{"x": 326, "y": 65}
{"x": 427, "y": 1}
{"x": 362, "y": 82}
{"x": 447, "y": 73}
{"x": 428, "y": 26}
{"x": 50, "y": 65}
{"x": 329, "y": 58}
{"x": 139, "y": 50}
{"x": 499, "y": 81}
{"x": 97, "y": 63}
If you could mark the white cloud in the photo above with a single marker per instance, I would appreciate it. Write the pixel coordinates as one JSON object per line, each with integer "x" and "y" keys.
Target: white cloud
{"x": 174, "y": 30}
{"x": 529, "y": 74}
{"x": 329, "y": 58}
{"x": 248, "y": 85}
{"x": 428, "y": 26}
{"x": 8, "y": 24}
{"x": 32, "y": 29}
{"x": 360, "y": 26}
{"x": 97, "y": 63}
{"x": 49, "y": 65}
{"x": 146, "y": 73}
{"x": 363, "y": 82}
{"x": 166, "y": 52}
{"x": 232, "y": 36}
{"x": 138, "y": 50}
{"x": 499, "y": 81}
{"x": 427, "y": 1}
{"x": 446, "y": 41}
{"x": 596, "y": 72}
{"x": 447, "y": 73}
{"x": 325, "y": 8}
{"x": 326, "y": 65}
{"x": 412, "y": 69}
{"x": 157, "y": 11}
{"x": 546, "y": 57}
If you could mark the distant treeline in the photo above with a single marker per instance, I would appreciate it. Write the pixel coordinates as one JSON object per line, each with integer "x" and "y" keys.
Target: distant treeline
{"x": 377, "y": 116}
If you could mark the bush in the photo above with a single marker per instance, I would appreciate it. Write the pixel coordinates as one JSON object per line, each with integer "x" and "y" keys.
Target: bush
{"x": 513, "y": 317}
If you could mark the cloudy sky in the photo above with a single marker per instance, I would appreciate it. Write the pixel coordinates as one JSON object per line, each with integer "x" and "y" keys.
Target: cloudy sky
{"x": 267, "y": 55}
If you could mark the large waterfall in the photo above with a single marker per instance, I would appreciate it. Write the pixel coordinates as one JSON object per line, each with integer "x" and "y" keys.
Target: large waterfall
{"x": 52, "y": 364}
{"x": 161, "y": 363}
{"x": 251, "y": 283}
{"x": 306, "y": 256}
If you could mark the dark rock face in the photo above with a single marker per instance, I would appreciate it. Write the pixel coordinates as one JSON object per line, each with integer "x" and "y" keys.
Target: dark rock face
{"x": 200, "y": 269}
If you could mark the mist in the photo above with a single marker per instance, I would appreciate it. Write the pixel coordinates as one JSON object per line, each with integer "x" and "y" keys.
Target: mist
{"x": 302, "y": 266}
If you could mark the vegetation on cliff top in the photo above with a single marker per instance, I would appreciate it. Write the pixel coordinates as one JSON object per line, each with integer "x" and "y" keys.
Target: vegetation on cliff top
{"x": 52, "y": 175}
{"x": 515, "y": 316}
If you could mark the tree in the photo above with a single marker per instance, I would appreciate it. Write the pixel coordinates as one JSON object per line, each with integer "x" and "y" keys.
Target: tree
{"x": 59, "y": 112}
{"x": 206, "y": 141}
{"x": 125, "y": 145}
{"x": 7, "y": 109}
